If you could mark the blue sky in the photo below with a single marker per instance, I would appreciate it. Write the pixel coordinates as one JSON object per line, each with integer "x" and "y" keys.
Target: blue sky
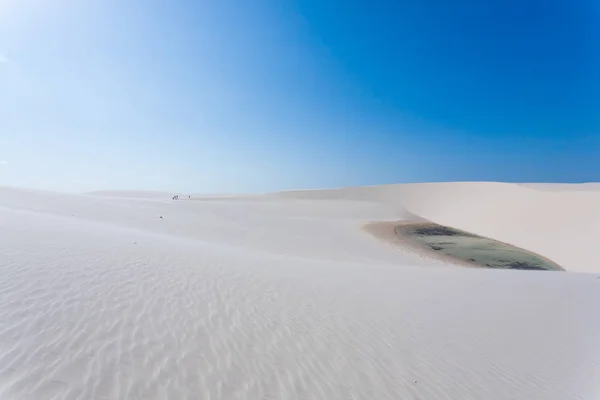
{"x": 240, "y": 96}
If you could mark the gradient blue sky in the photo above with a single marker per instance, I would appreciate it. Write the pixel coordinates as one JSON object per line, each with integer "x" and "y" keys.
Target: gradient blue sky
{"x": 252, "y": 96}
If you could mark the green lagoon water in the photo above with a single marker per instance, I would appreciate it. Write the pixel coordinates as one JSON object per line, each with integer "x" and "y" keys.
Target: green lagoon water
{"x": 474, "y": 249}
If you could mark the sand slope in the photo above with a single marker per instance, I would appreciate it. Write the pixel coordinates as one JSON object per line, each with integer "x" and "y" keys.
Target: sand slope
{"x": 561, "y": 223}
{"x": 284, "y": 297}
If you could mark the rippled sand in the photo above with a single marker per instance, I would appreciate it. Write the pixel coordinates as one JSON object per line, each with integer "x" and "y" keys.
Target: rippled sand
{"x": 271, "y": 297}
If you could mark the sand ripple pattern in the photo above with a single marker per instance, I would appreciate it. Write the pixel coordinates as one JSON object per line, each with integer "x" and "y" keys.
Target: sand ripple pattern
{"x": 92, "y": 311}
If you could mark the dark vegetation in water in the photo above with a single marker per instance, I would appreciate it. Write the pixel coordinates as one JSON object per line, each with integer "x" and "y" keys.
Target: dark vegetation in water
{"x": 436, "y": 230}
{"x": 439, "y": 230}
{"x": 524, "y": 265}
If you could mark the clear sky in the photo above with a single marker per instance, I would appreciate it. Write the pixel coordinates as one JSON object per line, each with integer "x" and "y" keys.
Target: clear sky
{"x": 253, "y": 96}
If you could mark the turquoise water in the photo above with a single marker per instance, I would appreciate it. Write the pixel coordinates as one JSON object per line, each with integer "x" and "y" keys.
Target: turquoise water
{"x": 473, "y": 249}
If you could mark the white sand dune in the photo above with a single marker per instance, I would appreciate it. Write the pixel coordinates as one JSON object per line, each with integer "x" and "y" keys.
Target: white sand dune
{"x": 135, "y": 194}
{"x": 562, "y": 223}
{"x": 155, "y": 195}
{"x": 564, "y": 186}
{"x": 283, "y": 296}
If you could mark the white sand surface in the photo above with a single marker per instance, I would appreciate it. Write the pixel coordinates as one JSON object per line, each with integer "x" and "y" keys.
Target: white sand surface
{"x": 135, "y": 194}
{"x": 284, "y": 296}
{"x": 564, "y": 186}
